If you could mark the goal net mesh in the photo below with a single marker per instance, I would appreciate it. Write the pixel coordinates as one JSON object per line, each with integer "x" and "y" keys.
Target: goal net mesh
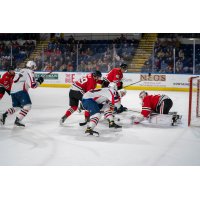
{"x": 194, "y": 112}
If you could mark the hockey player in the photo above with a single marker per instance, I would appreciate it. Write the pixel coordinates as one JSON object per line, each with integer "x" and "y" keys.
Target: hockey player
{"x": 153, "y": 103}
{"x": 115, "y": 76}
{"x": 78, "y": 89}
{"x": 96, "y": 100}
{"x": 19, "y": 93}
{"x": 6, "y": 81}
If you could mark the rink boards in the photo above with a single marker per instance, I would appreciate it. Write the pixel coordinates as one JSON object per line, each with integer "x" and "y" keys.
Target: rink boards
{"x": 164, "y": 82}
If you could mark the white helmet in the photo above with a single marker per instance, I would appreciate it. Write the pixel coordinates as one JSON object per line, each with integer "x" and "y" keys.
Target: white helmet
{"x": 142, "y": 94}
{"x": 29, "y": 64}
{"x": 120, "y": 92}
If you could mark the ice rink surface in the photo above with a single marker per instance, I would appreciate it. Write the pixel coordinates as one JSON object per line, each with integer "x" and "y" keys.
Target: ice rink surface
{"x": 45, "y": 142}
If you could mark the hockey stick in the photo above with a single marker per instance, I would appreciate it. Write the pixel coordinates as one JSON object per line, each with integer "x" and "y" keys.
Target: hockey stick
{"x": 138, "y": 81}
{"x": 50, "y": 72}
{"x": 83, "y": 123}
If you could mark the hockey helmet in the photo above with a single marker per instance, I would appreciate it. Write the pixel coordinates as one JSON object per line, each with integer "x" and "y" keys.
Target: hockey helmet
{"x": 30, "y": 64}
{"x": 142, "y": 94}
{"x": 120, "y": 92}
{"x": 10, "y": 68}
{"x": 97, "y": 73}
{"x": 124, "y": 66}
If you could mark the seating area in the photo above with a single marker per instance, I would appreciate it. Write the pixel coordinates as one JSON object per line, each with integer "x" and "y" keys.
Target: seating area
{"x": 19, "y": 53}
{"x": 104, "y": 55}
{"x": 164, "y": 57}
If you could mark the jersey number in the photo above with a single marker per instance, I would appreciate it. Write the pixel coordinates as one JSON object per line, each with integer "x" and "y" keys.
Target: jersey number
{"x": 82, "y": 80}
{"x": 20, "y": 75}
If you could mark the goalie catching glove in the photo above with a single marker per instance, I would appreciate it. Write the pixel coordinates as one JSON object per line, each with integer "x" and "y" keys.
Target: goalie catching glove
{"x": 137, "y": 119}
{"x": 40, "y": 80}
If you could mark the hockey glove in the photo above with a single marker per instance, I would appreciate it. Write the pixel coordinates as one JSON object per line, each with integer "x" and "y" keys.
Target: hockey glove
{"x": 40, "y": 80}
{"x": 137, "y": 119}
{"x": 121, "y": 86}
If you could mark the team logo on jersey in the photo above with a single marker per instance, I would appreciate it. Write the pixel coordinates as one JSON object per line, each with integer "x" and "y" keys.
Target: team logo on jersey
{"x": 7, "y": 77}
{"x": 119, "y": 71}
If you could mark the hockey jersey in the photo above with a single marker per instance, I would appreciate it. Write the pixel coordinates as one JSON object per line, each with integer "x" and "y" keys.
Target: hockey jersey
{"x": 85, "y": 84}
{"x": 115, "y": 76}
{"x": 23, "y": 81}
{"x": 6, "y": 81}
{"x": 101, "y": 96}
{"x": 150, "y": 102}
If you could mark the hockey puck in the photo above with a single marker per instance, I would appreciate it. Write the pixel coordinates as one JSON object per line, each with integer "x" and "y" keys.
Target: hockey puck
{"x": 118, "y": 119}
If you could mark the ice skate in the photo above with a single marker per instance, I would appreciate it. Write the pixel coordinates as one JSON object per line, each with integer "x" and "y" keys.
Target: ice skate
{"x": 89, "y": 131}
{"x": 62, "y": 120}
{"x": 3, "y": 118}
{"x": 175, "y": 120}
{"x": 113, "y": 125}
{"x": 18, "y": 124}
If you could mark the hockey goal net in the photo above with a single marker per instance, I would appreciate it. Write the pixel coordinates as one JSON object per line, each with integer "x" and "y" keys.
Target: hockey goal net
{"x": 194, "y": 112}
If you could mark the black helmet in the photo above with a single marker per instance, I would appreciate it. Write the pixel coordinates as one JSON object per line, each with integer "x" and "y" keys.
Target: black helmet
{"x": 97, "y": 73}
{"x": 124, "y": 66}
{"x": 10, "y": 68}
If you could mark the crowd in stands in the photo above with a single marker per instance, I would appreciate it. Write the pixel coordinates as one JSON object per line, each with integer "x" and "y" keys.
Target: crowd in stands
{"x": 103, "y": 55}
{"x": 164, "y": 57}
{"x": 19, "y": 52}
{"x": 74, "y": 55}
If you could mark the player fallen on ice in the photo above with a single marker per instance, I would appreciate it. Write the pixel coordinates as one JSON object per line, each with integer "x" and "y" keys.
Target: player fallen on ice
{"x": 157, "y": 108}
{"x": 6, "y": 81}
{"x": 19, "y": 93}
{"x": 78, "y": 89}
{"x": 117, "y": 98}
{"x": 96, "y": 100}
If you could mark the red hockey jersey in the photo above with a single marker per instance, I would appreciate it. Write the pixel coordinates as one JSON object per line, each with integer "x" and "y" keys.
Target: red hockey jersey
{"x": 85, "y": 84}
{"x": 115, "y": 76}
{"x": 6, "y": 81}
{"x": 149, "y": 104}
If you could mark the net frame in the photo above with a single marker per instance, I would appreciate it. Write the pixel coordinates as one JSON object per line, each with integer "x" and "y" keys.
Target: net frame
{"x": 192, "y": 89}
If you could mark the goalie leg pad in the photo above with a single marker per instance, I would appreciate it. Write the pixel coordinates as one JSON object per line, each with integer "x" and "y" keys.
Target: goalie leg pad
{"x": 165, "y": 119}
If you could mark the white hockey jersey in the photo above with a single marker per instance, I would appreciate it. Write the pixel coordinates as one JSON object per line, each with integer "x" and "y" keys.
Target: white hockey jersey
{"x": 23, "y": 81}
{"x": 101, "y": 96}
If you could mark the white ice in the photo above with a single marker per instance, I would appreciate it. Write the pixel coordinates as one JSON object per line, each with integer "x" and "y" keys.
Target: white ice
{"x": 45, "y": 142}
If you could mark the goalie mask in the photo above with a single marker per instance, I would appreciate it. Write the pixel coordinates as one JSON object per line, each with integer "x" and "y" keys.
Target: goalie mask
{"x": 142, "y": 95}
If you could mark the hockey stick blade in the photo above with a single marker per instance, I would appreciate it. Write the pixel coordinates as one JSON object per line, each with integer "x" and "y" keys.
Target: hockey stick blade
{"x": 82, "y": 124}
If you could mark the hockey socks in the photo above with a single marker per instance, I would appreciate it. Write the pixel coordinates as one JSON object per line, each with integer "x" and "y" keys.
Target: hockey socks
{"x": 94, "y": 119}
{"x": 87, "y": 114}
{"x": 71, "y": 110}
{"x": 24, "y": 112}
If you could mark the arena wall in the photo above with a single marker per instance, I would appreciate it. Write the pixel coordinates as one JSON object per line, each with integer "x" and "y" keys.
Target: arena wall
{"x": 163, "y": 82}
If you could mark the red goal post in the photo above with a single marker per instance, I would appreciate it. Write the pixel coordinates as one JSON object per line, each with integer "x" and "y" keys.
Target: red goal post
{"x": 194, "y": 113}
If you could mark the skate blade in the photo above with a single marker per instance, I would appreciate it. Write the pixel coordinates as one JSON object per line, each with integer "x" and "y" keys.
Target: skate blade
{"x": 15, "y": 126}
{"x": 94, "y": 134}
